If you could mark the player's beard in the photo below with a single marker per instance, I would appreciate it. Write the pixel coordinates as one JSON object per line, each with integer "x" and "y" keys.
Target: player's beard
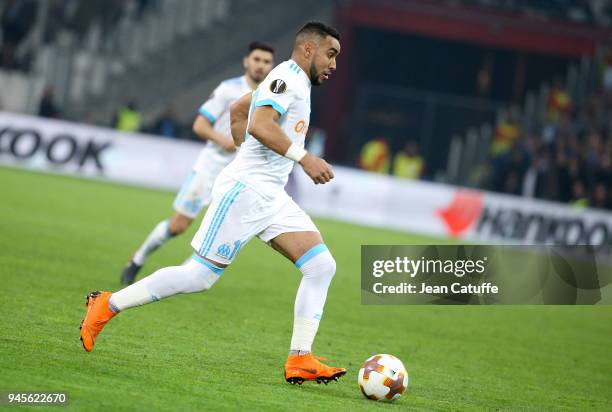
{"x": 255, "y": 78}
{"x": 314, "y": 77}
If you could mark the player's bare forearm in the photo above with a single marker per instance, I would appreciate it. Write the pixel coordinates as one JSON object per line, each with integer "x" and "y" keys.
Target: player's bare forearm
{"x": 203, "y": 128}
{"x": 239, "y": 114}
{"x": 264, "y": 127}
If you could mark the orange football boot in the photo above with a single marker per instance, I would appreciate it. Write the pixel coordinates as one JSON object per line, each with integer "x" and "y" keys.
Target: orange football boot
{"x": 300, "y": 368}
{"x": 98, "y": 313}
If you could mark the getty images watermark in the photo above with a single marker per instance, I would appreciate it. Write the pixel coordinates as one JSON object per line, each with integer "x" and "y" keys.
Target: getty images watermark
{"x": 444, "y": 274}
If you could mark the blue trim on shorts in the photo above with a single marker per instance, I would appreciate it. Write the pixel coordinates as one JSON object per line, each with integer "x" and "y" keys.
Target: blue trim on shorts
{"x": 312, "y": 252}
{"x": 207, "y": 114}
{"x": 218, "y": 271}
{"x": 219, "y": 216}
{"x": 237, "y": 246}
{"x": 222, "y": 217}
{"x": 215, "y": 217}
{"x": 270, "y": 102}
{"x": 181, "y": 193}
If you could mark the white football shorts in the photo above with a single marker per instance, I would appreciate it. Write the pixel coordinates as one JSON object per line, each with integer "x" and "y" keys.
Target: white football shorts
{"x": 194, "y": 194}
{"x": 237, "y": 213}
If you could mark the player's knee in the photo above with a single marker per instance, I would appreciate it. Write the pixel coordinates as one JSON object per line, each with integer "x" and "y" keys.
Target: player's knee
{"x": 201, "y": 284}
{"x": 203, "y": 275}
{"x": 178, "y": 226}
{"x": 198, "y": 280}
{"x": 176, "y": 230}
{"x": 330, "y": 264}
{"x": 323, "y": 266}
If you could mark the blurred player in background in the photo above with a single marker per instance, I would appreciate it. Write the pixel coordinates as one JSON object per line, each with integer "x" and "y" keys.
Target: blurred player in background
{"x": 249, "y": 200}
{"x": 212, "y": 124}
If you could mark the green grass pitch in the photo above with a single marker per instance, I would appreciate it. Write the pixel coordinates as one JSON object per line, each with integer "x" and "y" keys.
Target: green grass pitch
{"x": 63, "y": 237}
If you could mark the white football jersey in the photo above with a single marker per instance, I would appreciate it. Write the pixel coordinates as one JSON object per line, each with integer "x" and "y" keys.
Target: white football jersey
{"x": 217, "y": 110}
{"x": 287, "y": 90}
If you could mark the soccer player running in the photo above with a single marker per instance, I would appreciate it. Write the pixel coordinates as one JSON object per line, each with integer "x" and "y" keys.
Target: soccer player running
{"x": 212, "y": 124}
{"x": 248, "y": 199}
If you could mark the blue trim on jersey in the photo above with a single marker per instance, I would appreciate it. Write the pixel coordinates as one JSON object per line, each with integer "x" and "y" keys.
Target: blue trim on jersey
{"x": 312, "y": 252}
{"x": 295, "y": 67}
{"x": 253, "y": 101}
{"x": 220, "y": 214}
{"x": 251, "y": 108}
{"x": 218, "y": 271}
{"x": 207, "y": 114}
{"x": 270, "y": 102}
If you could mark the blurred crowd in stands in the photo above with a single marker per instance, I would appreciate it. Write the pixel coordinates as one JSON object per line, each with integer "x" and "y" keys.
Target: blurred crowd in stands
{"x": 127, "y": 118}
{"x": 76, "y": 16}
{"x": 376, "y": 156}
{"x": 18, "y": 17}
{"x": 580, "y": 11}
{"x": 568, "y": 158}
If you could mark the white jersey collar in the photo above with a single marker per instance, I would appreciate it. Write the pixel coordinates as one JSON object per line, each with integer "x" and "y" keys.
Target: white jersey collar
{"x": 245, "y": 82}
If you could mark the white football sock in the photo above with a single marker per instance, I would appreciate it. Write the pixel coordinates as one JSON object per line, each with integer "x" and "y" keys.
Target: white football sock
{"x": 156, "y": 238}
{"x": 304, "y": 332}
{"x": 318, "y": 268}
{"x": 196, "y": 276}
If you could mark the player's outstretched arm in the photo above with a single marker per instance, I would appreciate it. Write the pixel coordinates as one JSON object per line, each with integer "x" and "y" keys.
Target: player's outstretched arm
{"x": 239, "y": 114}
{"x": 264, "y": 127}
{"x": 204, "y": 129}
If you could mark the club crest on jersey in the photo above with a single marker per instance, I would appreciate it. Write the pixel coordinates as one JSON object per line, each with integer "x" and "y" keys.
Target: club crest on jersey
{"x": 278, "y": 86}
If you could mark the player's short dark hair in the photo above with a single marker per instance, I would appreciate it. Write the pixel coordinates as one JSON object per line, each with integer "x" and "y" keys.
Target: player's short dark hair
{"x": 257, "y": 45}
{"x": 319, "y": 28}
